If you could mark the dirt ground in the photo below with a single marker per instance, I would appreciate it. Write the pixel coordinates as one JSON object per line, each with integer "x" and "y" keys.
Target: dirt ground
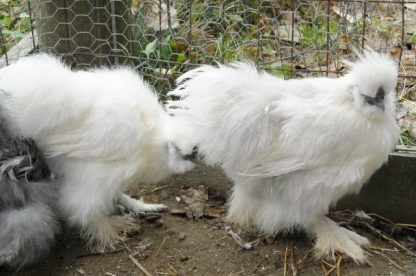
{"x": 178, "y": 245}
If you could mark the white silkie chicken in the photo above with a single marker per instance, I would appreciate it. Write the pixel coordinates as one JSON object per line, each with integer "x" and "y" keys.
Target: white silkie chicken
{"x": 100, "y": 131}
{"x": 293, "y": 147}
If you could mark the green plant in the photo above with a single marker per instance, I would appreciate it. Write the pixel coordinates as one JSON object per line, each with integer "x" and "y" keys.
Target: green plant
{"x": 14, "y": 22}
{"x": 406, "y": 138}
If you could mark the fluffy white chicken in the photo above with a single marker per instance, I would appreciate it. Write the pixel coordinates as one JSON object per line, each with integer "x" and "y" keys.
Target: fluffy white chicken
{"x": 100, "y": 131}
{"x": 293, "y": 147}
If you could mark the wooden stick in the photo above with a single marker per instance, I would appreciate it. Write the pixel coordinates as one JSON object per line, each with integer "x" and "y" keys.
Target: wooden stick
{"x": 153, "y": 190}
{"x": 390, "y": 260}
{"x": 323, "y": 268}
{"x": 292, "y": 263}
{"x": 139, "y": 265}
{"x": 339, "y": 266}
{"x": 389, "y": 239}
{"x": 160, "y": 247}
{"x": 285, "y": 263}
{"x": 100, "y": 253}
{"x": 382, "y": 249}
{"x": 174, "y": 270}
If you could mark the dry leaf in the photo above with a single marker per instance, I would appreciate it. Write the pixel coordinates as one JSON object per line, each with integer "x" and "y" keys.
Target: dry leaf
{"x": 195, "y": 201}
{"x": 196, "y": 204}
{"x": 285, "y": 33}
{"x": 344, "y": 41}
{"x": 395, "y": 52}
{"x": 343, "y": 14}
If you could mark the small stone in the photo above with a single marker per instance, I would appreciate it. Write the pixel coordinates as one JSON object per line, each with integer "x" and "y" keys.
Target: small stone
{"x": 182, "y": 236}
{"x": 164, "y": 194}
{"x": 184, "y": 258}
{"x": 81, "y": 271}
{"x": 220, "y": 244}
{"x": 158, "y": 223}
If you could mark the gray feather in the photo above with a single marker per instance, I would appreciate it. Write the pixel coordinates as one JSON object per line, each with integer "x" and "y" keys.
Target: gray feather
{"x": 28, "y": 222}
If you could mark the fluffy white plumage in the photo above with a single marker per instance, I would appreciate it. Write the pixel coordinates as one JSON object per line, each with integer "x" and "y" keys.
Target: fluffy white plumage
{"x": 293, "y": 147}
{"x": 101, "y": 131}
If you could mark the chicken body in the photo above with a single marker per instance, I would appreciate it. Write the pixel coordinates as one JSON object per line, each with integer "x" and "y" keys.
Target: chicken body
{"x": 293, "y": 147}
{"x": 101, "y": 131}
{"x": 28, "y": 221}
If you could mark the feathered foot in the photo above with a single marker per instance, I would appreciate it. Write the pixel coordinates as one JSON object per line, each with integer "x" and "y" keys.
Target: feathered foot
{"x": 330, "y": 238}
{"x": 106, "y": 232}
{"x": 239, "y": 212}
{"x": 138, "y": 207}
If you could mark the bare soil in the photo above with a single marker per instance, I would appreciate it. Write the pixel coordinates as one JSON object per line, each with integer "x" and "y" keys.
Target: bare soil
{"x": 177, "y": 245}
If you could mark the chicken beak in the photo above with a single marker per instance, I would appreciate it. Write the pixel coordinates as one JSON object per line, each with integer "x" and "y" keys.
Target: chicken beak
{"x": 378, "y": 100}
{"x": 192, "y": 157}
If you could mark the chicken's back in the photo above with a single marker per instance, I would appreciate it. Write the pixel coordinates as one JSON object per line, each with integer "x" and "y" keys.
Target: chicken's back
{"x": 75, "y": 112}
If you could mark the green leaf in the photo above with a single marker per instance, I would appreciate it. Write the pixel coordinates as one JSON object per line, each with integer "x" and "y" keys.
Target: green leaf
{"x": 181, "y": 58}
{"x": 165, "y": 51}
{"x": 15, "y": 34}
{"x": 236, "y": 17}
{"x": 150, "y": 48}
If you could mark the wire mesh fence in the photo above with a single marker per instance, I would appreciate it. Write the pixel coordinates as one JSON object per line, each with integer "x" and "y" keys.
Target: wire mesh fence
{"x": 163, "y": 38}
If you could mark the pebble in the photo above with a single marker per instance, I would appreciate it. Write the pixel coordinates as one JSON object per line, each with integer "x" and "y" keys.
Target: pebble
{"x": 182, "y": 236}
{"x": 158, "y": 223}
{"x": 220, "y": 244}
{"x": 184, "y": 258}
{"x": 164, "y": 194}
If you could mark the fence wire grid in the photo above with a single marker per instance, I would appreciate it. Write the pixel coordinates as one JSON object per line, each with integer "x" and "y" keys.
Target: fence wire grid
{"x": 164, "y": 38}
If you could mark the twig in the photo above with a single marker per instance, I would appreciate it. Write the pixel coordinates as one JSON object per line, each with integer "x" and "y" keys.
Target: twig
{"x": 381, "y": 217}
{"x": 139, "y": 265}
{"x": 153, "y": 190}
{"x": 410, "y": 227}
{"x": 223, "y": 237}
{"x": 110, "y": 274}
{"x": 160, "y": 247}
{"x": 390, "y": 260}
{"x": 339, "y": 265}
{"x": 332, "y": 267}
{"x": 292, "y": 264}
{"x": 285, "y": 262}
{"x": 174, "y": 270}
{"x": 100, "y": 253}
{"x": 388, "y": 239}
{"x": 127, "y": 247}
{"x": 323, "y": 268}
{"x": 330, "y": 271}
{"x": 328, "y": 264}
{"x": 382, "y": 249}
{"x": 232, "y": 273}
